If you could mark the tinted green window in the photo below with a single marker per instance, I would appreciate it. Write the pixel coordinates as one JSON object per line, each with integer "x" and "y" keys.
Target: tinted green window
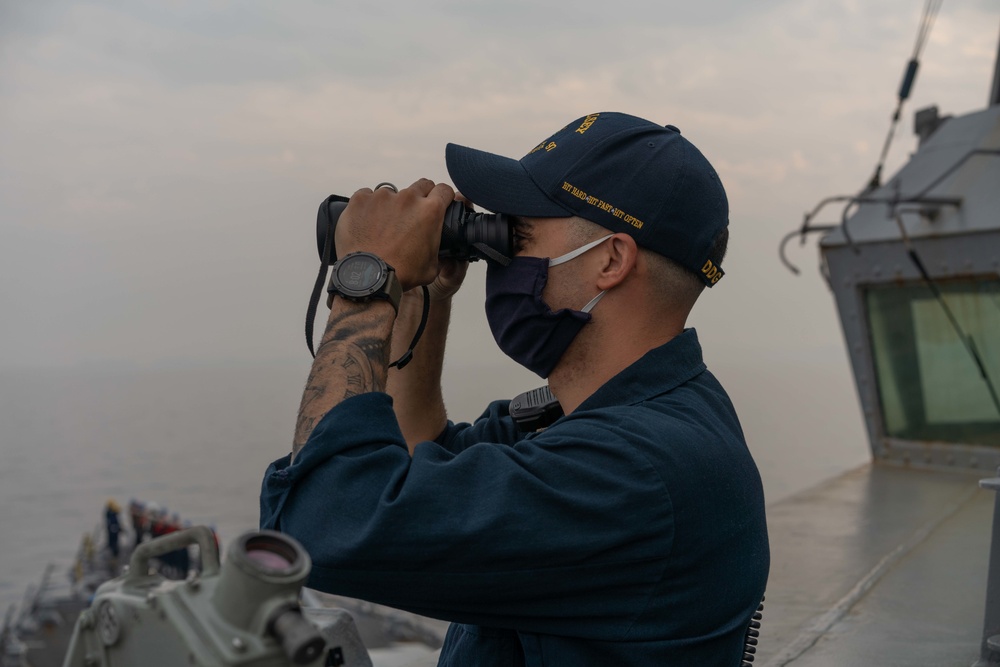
{"x": 930, "y": 386}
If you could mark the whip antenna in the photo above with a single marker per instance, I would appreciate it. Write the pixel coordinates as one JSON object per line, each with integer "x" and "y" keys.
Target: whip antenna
{"x": 931, "y": 8}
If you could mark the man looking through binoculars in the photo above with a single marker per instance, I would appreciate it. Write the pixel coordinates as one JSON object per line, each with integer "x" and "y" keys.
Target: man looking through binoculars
{"x": 629, "y": 532}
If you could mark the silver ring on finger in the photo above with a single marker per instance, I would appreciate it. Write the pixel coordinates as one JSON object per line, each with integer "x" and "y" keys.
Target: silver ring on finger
{"x": 387, "y": 184}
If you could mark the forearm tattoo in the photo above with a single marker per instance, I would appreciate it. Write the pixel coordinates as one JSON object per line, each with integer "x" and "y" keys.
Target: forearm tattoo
{"x": 352, "y": 359}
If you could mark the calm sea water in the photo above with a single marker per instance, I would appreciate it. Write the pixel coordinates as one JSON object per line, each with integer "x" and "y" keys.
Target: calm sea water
{"x": 198, "y": 441}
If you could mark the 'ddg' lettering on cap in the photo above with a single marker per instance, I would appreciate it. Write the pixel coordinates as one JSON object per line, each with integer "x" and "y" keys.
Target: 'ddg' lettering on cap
{"x": 712, "y": 273}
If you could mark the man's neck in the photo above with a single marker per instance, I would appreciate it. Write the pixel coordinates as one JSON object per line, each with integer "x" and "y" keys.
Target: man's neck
{"x": 573, "y": 384}
{"x": 596, "y": 357}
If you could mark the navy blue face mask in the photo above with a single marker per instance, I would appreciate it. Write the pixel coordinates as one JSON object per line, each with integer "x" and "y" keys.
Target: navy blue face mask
{"x": 525, "y": 328}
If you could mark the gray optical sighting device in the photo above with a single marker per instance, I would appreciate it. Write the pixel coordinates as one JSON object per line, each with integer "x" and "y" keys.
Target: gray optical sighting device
{"x": 244, "y": 612}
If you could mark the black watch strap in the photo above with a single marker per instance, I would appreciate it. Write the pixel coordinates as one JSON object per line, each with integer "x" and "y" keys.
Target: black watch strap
{"x": 392, "y": 291}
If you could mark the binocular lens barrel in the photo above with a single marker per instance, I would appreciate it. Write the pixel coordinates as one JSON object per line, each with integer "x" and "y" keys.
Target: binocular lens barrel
{"x": 465, "y": 235}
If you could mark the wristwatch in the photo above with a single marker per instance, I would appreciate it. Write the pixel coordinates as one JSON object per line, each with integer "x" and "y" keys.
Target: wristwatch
{"x": 362, "y": 276}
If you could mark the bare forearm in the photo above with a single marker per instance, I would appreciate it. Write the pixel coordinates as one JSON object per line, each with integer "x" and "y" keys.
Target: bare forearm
{"x": 352, "y": 359}
{"x": 416, "y": 389}
{"x": 403, "y": 229}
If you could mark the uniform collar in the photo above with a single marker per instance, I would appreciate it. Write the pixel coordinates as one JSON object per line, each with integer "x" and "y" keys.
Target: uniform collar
{"x": 658, "y": 371}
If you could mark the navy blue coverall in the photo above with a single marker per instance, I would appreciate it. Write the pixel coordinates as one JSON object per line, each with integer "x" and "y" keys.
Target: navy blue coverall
{"x": 630, "y": 532}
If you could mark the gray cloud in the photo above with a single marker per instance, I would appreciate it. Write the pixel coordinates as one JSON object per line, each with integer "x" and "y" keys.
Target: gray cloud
{"x": 161, "y": 163}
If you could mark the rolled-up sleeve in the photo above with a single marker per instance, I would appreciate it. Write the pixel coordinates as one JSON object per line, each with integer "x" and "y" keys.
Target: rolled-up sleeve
{"x": 533, "y": 533}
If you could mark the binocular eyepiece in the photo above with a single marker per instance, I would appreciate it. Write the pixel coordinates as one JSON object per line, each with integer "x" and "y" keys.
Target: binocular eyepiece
{"x": 465, "y": 234}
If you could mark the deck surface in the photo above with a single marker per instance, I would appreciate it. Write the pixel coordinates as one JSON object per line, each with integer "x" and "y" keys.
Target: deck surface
{"x": 882, "y": 565}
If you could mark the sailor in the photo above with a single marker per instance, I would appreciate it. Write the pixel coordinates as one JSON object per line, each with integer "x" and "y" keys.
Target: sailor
{"x": 629, "y": 532}
{"x": 136, "y": 513}
{"x": 113, "y": 526}
{"x": 154, "y": 518}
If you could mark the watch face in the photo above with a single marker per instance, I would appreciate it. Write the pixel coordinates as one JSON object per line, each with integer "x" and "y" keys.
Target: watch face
{"x": 359, "y": 274}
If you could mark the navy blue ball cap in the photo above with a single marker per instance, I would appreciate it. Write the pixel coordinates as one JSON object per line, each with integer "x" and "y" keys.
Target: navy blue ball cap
{"x": 505, "y": 183}
{"x": 622, "y": 172}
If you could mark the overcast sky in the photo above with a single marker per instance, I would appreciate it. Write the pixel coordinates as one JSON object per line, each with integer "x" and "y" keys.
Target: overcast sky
{"x": 161, "y": 163}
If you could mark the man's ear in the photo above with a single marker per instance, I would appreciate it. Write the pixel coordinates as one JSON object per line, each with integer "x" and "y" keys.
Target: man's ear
{"x": 620, "y": 258}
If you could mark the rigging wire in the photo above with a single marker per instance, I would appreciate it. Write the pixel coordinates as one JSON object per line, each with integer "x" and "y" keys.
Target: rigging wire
{"x": 931, "y": 9}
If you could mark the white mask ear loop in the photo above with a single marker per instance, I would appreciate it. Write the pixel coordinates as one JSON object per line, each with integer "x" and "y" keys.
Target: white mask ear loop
{"x": 593, "y": 302}
{"x": 573, "y": 254}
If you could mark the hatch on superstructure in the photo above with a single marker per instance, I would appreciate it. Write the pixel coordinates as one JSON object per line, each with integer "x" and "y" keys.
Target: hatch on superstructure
{"x": 926, "y": 354}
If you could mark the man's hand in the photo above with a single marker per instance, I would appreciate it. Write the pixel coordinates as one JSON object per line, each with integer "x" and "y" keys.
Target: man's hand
{"x": 451, "y": 272}
{"x": 403, "y": 228}
{"x": 416, "y": 391}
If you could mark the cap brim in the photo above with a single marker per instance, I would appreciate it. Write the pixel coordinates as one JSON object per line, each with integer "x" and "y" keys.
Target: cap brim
{"x": 499, "y": 184}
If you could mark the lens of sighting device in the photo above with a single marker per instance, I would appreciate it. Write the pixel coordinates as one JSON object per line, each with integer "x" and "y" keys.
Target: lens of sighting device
{"x": 260, "y": 567}
{"x": 272, "y": 554}
{"x": 267, "y": 569}
{"x": 465, "y": 235}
